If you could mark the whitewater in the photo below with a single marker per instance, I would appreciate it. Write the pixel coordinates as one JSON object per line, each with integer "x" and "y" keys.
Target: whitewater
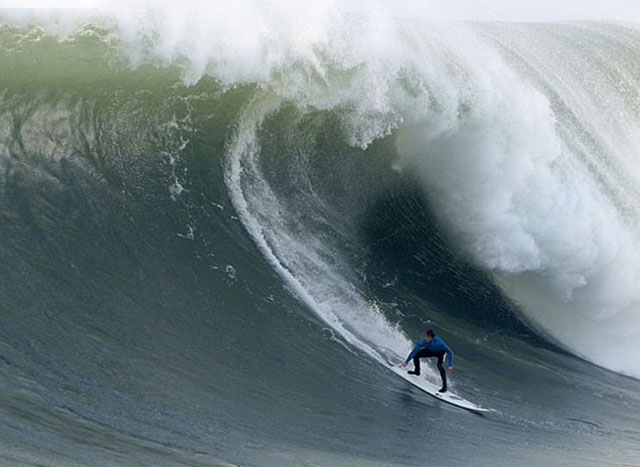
{"x": 219, "y": 220}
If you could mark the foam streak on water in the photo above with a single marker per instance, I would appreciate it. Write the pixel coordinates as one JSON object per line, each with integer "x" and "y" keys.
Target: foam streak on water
{"x": 293, "y": 256}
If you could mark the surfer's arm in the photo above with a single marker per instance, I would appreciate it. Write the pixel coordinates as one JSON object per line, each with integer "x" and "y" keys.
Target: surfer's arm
{"x": 415, "y": 350}
{"x": 449, "y": 356}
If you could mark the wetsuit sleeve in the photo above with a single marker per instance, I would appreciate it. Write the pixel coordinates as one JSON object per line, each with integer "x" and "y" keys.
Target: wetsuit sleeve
{"x": 415, "y": 350}
{"x": 449, "y": 355}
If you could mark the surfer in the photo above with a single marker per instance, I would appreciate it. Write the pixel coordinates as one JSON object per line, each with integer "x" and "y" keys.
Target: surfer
{"x": 431, "y": 346}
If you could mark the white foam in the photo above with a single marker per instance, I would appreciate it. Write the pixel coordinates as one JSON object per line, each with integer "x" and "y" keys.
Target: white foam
{"x": 520, "y": 201}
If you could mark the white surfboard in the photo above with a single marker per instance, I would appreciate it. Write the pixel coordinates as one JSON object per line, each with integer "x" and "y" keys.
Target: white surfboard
{"x": 432, "y": 390}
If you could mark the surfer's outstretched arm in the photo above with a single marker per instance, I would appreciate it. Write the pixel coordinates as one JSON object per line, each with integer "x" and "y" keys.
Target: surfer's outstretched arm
{"x": 414, "y": 352}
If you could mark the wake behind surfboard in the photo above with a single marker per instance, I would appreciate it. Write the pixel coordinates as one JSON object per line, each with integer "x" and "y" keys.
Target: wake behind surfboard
{"x": 432, "y": 390}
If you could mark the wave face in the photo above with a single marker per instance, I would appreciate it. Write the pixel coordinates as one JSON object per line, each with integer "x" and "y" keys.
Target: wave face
{"x": 216, "y": 224}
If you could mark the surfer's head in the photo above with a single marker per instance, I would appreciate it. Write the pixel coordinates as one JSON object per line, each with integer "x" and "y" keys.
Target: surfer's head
{"x": 430, "y": 335}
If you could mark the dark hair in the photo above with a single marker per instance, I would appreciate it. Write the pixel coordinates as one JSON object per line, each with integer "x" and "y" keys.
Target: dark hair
{"x": 431, "y": 333}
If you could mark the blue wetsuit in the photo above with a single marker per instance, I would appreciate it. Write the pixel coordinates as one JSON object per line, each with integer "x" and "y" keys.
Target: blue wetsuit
{"x": 435, "y": 348}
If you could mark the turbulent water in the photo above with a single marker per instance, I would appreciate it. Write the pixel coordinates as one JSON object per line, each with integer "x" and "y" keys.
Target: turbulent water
{"x": 217, "y": 223}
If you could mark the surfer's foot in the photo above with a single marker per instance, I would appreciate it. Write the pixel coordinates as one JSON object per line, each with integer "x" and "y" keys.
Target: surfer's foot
{"x": 412, "y": 372}
{"x": 442, "y": 389}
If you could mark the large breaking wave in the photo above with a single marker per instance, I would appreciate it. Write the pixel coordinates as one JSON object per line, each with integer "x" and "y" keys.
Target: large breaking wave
{"x": 393, "y": 172}
{"x": 527, "y": 156}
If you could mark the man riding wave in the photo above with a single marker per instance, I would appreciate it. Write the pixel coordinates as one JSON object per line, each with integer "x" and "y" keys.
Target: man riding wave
{"x": 431, "y": 346}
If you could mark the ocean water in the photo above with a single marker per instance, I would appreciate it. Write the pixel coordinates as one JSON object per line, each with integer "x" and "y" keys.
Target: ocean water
{"x": 217, "y": 222}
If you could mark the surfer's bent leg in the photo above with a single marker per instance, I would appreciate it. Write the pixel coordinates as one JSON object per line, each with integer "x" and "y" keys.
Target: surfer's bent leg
{"x": 443, "y": 374}
{"x": 416, "y": 364}
{"x": 424, "y": 353}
